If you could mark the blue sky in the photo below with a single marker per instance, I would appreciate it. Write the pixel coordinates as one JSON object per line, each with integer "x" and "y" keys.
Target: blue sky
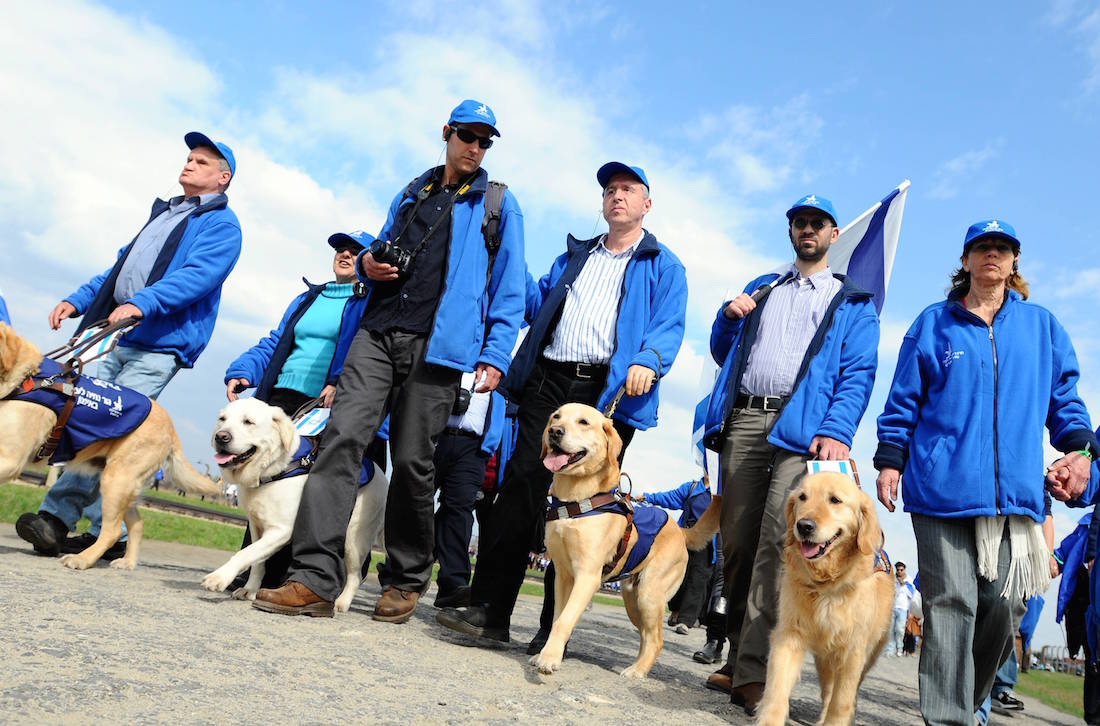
{"x": 734, "y": 109}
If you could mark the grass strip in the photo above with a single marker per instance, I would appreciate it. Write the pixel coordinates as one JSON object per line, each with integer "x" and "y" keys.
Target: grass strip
{"x": 1060, "y": 691}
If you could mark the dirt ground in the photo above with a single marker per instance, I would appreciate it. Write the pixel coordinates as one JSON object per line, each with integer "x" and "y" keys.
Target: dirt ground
{"x": 151, "y": 646}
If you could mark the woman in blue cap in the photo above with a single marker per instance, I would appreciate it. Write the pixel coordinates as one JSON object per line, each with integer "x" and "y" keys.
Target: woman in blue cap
{"x": 978, "y": 376}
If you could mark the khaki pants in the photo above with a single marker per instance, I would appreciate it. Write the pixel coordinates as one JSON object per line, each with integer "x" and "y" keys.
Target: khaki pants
{"x": 756, "y": 479}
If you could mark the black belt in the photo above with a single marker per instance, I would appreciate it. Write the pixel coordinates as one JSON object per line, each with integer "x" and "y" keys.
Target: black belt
{"x": 761, "y": 403}
{"x": 453, "y": 431}
{"x": 579, "y": 371}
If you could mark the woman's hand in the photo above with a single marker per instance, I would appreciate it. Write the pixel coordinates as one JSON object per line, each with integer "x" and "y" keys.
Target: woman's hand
{"x": 887, "y": 484}
{"x": 234, "y": 385}
{"x": 327, "y": 394}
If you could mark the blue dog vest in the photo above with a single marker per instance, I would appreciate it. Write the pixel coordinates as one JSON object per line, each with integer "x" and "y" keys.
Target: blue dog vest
{"x": 306, "y": 455}
{"x": 102, "y": 410}
{"x": 647, "y": 522}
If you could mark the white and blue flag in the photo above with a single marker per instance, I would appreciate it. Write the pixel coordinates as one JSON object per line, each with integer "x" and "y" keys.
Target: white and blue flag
{"x": 864, "y": 251}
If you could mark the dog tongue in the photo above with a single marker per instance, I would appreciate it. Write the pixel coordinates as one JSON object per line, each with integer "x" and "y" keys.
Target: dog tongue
{"x": 554, "y": 462}
{"x": 220, "y": 459}
{"x": 810, "y": 549}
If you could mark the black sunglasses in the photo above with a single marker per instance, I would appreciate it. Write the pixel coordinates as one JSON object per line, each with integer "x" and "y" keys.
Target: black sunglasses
{"x": 468, "y": 137}
{"x": 818, "y": 223}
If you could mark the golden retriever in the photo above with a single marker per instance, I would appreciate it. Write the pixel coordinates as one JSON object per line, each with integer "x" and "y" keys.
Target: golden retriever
{"x": 833, "y": 599}
{"x": 124, "y": 464}
{"x": 582, "y": 448}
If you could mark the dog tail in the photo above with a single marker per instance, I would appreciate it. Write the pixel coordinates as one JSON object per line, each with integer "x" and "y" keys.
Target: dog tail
{"x": 178, "y": 470}
{"x": 703, "y": 530}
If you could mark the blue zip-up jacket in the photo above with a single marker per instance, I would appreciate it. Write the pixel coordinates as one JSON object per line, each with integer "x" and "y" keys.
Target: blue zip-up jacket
{"x": 180, "y": 299}
{"x": 261, "y": 364}
{"x": 691, "y": 497}
{"x": 472, "y": 324}
{"x": 1071, "y": 554}
{"x": 648, "y": 332}
{"x": 834, "y": 380}
{"x": 965, "y": 413}
{"x": 4, "y": 317}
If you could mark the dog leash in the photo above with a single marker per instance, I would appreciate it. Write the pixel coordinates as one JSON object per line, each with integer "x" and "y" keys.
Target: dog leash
{"x": 73, "y": 353}
{"x": 610, "y": 410}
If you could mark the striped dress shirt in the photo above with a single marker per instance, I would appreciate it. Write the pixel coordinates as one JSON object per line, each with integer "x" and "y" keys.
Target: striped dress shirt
{"x": 788, "y": 322}
{"x": 586, "y": 330}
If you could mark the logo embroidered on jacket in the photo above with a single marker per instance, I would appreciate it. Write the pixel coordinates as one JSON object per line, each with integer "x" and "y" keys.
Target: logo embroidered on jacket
{"x": 950, "y": 356}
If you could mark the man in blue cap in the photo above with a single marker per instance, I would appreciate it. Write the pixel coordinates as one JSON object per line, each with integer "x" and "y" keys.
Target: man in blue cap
{"x": 445, "y": 298}
{"x": 170, "y": 278}
{"x": 798, "y": 350}
{"x": 609, "y": 316}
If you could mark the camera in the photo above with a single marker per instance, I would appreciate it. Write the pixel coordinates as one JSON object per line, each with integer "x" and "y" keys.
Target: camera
{"x": 388, "y": 254}
{"x": 462, "y": 402}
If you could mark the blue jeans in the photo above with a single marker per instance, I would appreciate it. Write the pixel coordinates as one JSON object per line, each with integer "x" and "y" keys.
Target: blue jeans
{"x": 897, "y": 632}
{"x": 1003, "y": 681}
{"x": 73, "y": 494}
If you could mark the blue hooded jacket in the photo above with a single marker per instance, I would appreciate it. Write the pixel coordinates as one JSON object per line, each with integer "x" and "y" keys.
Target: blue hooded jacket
{"x": 474, "y": 322}
{"x": 692, "y": 497}
{"x": 1071, "y": 556}
{"x": 180, "y": 299}
{"x": 261, "y": 364}
{"x": 965, "y": 413}
{"x": 648, "y": 332}
{"x": 834, "y": 380}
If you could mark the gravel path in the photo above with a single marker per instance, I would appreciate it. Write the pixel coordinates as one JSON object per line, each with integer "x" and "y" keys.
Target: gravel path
{"x": 151, "y": 646}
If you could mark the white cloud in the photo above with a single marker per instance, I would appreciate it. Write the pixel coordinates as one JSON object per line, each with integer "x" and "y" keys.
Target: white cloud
{"x": 955, "y": 173}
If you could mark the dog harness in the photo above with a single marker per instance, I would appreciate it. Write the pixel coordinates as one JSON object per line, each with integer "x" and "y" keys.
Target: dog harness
{"x": 88, "y": 409}
{"x": 304, "y": 457}
{"x": 646, "y": 520}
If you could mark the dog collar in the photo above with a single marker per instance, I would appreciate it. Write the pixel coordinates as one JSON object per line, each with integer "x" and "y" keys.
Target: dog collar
{"x": 302, "y": 462}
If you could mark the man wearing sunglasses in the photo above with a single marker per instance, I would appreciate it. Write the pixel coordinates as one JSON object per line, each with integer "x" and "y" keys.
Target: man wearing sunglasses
{"x": 606, "y": 324}
{"x": 798, "y": 350}
{"x": 437, "y": 308}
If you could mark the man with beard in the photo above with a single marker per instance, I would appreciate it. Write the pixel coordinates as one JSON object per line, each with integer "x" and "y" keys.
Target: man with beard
{"x": 798, "y": 351}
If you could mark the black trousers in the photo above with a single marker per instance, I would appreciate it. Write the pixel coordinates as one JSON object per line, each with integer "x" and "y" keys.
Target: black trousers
{"x": 690, "y": 600}
{"x": 383, "y": 374}
{"x": 520, "y": 506}
{"x": 459, "y": 470}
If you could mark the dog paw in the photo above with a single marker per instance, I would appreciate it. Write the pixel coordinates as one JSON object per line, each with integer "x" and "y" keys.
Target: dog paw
{"x": 342, "y": 603}
{"x": 634, "y": 672}
{"x": 74, "y": 562}
{"x": 242, "y": 593}
{"x": 215, "y": 582}
{"x": 545, "y": 664}
{"x": 123, "y": 564}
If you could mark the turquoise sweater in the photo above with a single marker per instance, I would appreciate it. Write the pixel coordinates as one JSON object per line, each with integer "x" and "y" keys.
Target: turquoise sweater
{"x": 315, "y": 337}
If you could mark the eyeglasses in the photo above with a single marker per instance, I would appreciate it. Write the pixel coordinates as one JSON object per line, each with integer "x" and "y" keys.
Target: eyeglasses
{"x": 468, "y": 137}
{"x": 818, "y": 223}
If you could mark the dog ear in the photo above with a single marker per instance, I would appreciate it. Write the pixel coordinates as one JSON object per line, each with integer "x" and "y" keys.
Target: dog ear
{"x": 545, "y": 449}
{"x": 614, "y": 443}
{"x": 7, "y": 348}
{"x": 870, "y": 533}
{"x": 792, "y": 502}
{"x": 285, "y": 427}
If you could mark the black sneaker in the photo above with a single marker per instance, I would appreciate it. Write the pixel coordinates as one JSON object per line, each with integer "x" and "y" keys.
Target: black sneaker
{"x": 43, "y": 530}
{"x": 456, "y": 598}
{"x": 81, "y": 542}
{"x": 1007, "y": 701}
{"x": 473, "y": 620}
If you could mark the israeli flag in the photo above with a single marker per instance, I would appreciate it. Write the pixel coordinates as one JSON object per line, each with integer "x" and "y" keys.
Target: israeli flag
{"x": 864, "y": 251}
{"x": 313, "y": 422}
{"x": 100, "y": 349}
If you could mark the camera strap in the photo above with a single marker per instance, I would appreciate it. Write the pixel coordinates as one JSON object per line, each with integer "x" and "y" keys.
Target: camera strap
{"x": 420, "y": 197}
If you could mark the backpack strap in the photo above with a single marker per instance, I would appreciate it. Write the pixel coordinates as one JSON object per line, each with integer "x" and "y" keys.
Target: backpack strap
{"x": 490, "y": 224}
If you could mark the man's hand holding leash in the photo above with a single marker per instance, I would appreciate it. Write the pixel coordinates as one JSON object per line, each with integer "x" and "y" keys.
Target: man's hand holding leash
{"x": 887, "y": 484}
{"x": 739, "y": 307}
{"x": 639, "y": 380}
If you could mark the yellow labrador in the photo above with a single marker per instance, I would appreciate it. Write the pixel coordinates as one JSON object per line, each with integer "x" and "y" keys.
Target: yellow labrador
{"x": 835, "y": 597}
{"x": 582, "y": 448}
{"x": 124, "y": 464}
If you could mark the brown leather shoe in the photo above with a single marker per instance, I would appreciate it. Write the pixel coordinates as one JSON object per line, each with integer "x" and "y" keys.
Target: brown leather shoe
{"x": 395, "y": 605}
{"x": 293, "y": 598}
{"x": 721, "y": 679}
{"x": 747, "y": 695}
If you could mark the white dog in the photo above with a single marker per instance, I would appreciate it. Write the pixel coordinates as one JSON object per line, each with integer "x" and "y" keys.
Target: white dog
{"x": 254, "y": 444}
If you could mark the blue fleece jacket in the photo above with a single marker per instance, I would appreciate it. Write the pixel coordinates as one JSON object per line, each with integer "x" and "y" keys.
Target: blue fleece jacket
{"x": 1071, "y": 555}
{"x": 692, "y": 497}
{"x": 180, "y": 299}
{"x": 649, "y": 330}
{"x": 965, "y": 413}
{"x": 261, "y": 364}
{"x": 474, "y": 323}
{"x": 834, "y": 380}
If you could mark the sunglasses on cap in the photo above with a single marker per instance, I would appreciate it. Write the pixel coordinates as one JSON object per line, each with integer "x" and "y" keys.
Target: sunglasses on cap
{"x": 818, "y": 223}
{"x": 468, "y": 137}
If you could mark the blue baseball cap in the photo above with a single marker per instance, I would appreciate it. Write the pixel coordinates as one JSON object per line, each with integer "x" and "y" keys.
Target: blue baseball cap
{"x": 990, "y": 228}
{"x": 195, "y": 138}
{"x": 812, "y": 201}
{"x": 474, "y": 112}
{"x": 611, "y": 168}
{"x": 358, "y": 238}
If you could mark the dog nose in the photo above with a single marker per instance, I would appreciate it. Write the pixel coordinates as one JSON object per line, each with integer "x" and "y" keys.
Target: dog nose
{"x": 223, "y": 437}
{"x": 805, "y": 527}
{"x": 556, "y": 432}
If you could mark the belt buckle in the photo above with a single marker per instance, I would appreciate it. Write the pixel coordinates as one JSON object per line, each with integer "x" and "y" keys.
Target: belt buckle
{"x": 580, "y": 373}
{"x": 767, "y": 405}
